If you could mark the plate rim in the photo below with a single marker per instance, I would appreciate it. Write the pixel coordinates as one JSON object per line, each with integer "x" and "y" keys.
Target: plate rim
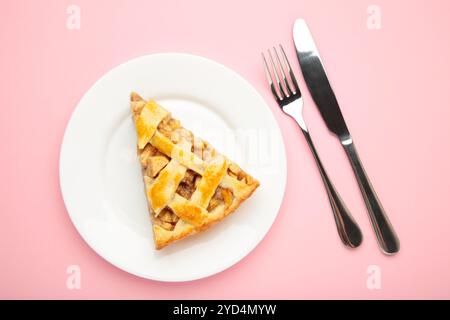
{"x": 121, "y": 267}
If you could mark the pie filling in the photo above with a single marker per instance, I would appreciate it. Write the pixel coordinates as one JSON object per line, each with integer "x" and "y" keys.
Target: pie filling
{"x": 188, "y": 186}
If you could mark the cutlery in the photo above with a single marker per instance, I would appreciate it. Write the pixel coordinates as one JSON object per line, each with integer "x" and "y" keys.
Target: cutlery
{"x": 289, "y": 98}
{"x": 323, "y": 95}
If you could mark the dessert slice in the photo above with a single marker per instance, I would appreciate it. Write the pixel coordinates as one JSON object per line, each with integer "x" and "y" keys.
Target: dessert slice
{"x": 189, "y": 185}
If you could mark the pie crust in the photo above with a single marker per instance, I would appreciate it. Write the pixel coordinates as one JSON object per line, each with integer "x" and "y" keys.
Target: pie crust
{"x": 188, "y": 184}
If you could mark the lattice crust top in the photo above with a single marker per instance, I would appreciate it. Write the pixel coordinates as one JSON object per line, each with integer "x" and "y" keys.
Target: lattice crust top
{"x": 188, "y": 184}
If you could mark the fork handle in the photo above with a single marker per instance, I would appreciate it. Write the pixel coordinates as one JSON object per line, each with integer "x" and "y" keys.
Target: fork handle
{"x": 348, "y": 230}
{"x": 386, "y": 236}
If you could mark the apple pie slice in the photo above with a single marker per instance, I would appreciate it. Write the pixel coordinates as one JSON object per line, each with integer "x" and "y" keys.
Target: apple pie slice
{"x": 189, "y": 185}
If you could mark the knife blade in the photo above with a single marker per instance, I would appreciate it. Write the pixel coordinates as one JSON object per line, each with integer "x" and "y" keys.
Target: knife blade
{"x": 317, "y": 82}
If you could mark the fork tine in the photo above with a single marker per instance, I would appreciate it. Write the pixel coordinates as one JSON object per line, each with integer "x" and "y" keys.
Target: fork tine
{"x": 283, "y": 75}
{"x": 269, "y": 78}
{"x": 289, "y": 69}
{"x": 275, "y": 72}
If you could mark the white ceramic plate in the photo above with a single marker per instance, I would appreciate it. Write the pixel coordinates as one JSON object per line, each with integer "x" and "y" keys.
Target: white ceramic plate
{"x": 100, "y": 175}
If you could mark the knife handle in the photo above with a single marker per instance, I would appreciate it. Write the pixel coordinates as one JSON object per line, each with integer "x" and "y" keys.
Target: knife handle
{"x": 348, "y": 230}
{"x": 386, "y": 236}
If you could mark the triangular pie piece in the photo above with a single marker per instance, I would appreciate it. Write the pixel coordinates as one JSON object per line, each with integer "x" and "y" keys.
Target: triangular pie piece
{"x": 189, "y": 185}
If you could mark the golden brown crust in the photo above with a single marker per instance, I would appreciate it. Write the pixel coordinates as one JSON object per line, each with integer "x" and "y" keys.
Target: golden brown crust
{"x": 189, "y": 185}
{"x": 162, "y": 241}
{"x": 163, "y": 237}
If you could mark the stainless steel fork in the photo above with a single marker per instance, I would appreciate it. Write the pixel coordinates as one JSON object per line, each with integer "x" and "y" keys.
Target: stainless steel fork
{"x": 289, "y": 98}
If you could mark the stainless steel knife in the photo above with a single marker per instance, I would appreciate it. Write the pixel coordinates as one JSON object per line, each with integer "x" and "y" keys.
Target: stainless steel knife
{"x": 323, "y": 95}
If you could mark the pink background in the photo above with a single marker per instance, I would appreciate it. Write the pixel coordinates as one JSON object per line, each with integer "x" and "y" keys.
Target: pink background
{"x": 393, "y": 85}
